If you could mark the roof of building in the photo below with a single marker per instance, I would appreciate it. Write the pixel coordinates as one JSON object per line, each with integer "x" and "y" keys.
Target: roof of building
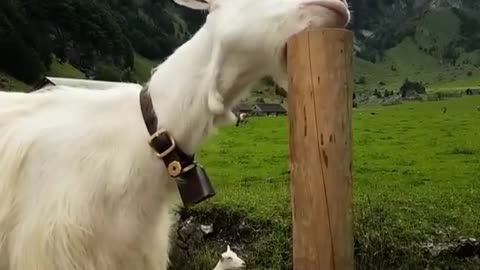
{"x": 81, "y": 83}
{"x": 270, "y": 107}
{"x": 242, "y": 107}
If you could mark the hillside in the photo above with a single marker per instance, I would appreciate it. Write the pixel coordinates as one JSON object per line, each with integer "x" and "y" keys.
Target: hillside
{"x": 436, "y": 42}
{"x": 100, "y": 39}
{"x": 140, "y": 73}
{"x": 442, "y": 51}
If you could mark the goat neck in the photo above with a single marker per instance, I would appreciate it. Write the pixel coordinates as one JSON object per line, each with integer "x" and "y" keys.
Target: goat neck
{"x": 195, "y": 88}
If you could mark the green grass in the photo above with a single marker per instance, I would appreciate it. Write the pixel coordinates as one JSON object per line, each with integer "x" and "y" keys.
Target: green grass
{"x": 416, "y": 178}
{"x": 9, "y": 83}
{"x": 57, "y": 69}
{"x": 142, "y": 68}
{"x": 64, "y": 70}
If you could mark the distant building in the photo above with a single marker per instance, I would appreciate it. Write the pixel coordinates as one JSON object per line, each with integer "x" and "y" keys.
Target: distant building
{"x": 80, "y": 83}
{"x": 268, "y": 109}
{"x": 242, "y": 108}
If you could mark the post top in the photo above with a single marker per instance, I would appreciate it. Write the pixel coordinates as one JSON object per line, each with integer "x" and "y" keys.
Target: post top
{"x": 328, "y": 29}
{"x": 330, "y": 32}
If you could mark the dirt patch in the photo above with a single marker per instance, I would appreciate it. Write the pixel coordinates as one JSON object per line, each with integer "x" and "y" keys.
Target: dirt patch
{"x": 201, "y": 236}
{"x": 461, "y": 248}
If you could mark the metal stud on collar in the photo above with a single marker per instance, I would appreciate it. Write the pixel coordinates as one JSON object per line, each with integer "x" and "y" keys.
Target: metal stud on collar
{"x": 174, "y": 168}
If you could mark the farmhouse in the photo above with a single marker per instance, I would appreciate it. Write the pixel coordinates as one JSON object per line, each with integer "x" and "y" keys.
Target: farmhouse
{"x": 269, "y": 109}
{"x": 242, "y": 108}
{"x": 80, "y": 83}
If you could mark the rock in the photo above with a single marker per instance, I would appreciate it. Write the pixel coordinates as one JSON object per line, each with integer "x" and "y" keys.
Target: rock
{"x": 206, "y": 229}
{"x": 462, "y": 248}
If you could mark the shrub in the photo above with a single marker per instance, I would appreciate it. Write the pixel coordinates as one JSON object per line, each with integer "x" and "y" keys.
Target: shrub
{"x": 410, "y": 87}
{"x": 361, "y": 80}
{"x": 462, "y": 150}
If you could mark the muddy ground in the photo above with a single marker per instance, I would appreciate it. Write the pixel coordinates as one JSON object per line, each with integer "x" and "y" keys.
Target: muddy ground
{"x": 201, "y": 237}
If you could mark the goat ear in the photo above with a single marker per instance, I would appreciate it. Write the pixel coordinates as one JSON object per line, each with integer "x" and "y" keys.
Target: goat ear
{"x": 193, "y": 4}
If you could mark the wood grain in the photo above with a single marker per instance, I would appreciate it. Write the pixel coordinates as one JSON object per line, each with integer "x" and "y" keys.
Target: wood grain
{"x": 320, "y": 117}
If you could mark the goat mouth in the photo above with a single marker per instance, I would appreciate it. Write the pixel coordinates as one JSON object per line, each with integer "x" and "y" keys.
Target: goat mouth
{"x": 336, "y": 6}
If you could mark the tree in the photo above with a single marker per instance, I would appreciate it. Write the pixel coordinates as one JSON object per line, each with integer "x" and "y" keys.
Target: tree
{"x": 409, "y": 87}
{"x": 362, "y": 80}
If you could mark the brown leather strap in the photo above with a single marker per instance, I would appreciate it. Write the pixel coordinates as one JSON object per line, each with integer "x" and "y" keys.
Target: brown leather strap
{"x": 177, "y": 161}
{"x": 148, "y": 111}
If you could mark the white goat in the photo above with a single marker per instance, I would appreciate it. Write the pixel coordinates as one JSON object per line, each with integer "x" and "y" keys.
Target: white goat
{"x": 80, "y": 188}
{"x": 230, "y": 261}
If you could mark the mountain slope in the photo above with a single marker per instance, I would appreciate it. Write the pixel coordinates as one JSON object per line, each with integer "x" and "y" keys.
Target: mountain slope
{"x": 441, "y": 51}
{"x": 98, "y": 37}
{"x": 436, "y": 42}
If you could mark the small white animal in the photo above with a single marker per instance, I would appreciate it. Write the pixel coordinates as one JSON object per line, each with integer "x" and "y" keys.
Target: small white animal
{"x": 230, "y": 261}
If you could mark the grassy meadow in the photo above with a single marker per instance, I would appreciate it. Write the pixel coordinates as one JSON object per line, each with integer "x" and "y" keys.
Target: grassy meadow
{"x": 416, "y": 179}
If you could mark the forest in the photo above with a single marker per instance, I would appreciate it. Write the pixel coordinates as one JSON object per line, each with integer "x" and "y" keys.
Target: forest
{"x": 91, "y": 35}
{"x": 101, "y": 38}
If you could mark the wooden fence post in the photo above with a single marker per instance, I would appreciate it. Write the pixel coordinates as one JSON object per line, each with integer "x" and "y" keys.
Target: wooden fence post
{"x": 320, "y": 116}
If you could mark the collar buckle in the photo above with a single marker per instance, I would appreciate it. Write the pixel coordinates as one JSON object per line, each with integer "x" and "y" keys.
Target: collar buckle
{"x": 156, "y": 135}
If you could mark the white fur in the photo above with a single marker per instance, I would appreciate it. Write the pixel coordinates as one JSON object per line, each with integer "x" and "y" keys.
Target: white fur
{"x": 79, "y": 186}
{"x": 230, "y": 261}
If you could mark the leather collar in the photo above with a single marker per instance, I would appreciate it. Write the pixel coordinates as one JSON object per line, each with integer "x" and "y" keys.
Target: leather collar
{"x": 196, "y": 186}
{"x": 177, "y": 161}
